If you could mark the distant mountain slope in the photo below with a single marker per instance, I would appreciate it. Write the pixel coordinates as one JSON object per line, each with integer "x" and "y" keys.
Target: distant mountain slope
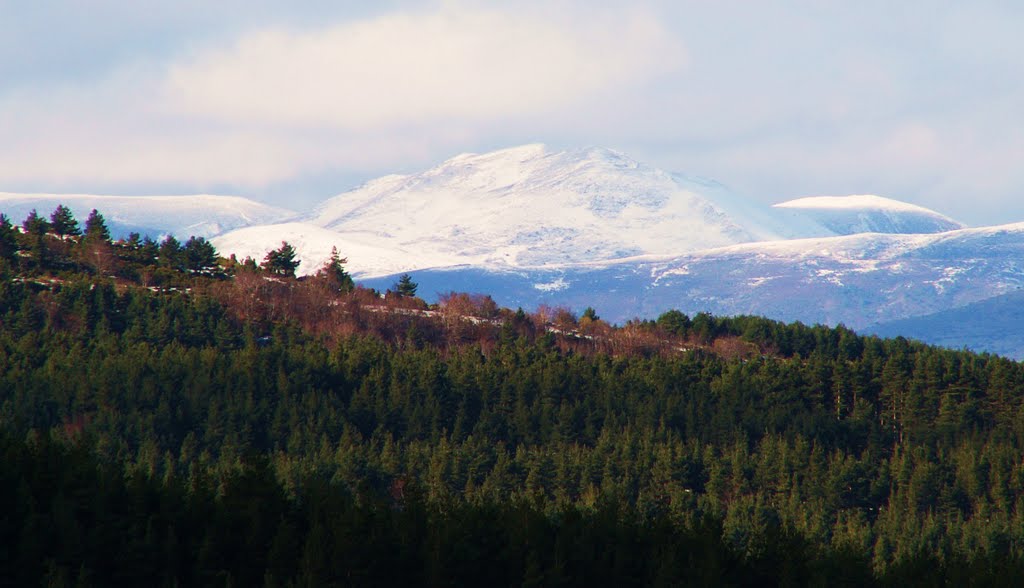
{"x": 531, "y": 206}
{"x": 849, "y": 215}
{"x": 858, "y": 280}
{"x": 995, "y": 325}
{"x": 366, "y": 254}
{"x": 182, "y": 216}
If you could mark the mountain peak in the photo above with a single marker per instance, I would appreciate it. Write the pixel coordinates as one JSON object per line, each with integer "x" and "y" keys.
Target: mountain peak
{"x": 532, "y": 205}
{"x": 867, "y": 213}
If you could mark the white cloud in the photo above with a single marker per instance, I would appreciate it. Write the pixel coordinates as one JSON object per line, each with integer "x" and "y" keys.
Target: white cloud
{"x": 461, "y": 65}
{"x": 277, "y": 103}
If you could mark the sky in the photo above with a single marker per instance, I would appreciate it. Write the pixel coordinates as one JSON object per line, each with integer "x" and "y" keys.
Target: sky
{"x": 289, "y": 105}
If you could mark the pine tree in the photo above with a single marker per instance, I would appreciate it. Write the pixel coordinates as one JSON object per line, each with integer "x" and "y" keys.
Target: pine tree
{"x": 281, "y": 261}
{"x": 96, "y": 227}
{"x": 171, "y": 253}
{"x": 200, "y": 255}
{"x": 405, "y": 286}
{"x": 133, "y": 241}
{"x": 149, "y": 250}
{"x": 35, "y": 224}
{"x": 8, "y": 238}
{"x": 334, "y": 272}
{"x": 64, "y": 222}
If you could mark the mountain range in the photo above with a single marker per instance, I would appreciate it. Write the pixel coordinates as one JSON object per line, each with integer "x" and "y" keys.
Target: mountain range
{"x": 591, "y": 227}
{"x": 183, "y": 216}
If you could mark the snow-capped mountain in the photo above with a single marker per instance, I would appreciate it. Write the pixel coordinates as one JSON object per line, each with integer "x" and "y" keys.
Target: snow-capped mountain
{"x": 591, "y": 227}
{"x": 182, "y": 216}
{"x": 849, "y": 215}
{"x": 531, "y": 206}
{"x": 859, "y": 280}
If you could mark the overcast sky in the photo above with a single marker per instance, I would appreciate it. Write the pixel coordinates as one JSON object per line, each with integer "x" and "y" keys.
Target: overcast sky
{"x": 919, "y": 101}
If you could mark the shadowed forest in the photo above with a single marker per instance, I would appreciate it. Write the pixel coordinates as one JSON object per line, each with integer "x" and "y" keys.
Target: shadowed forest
{"x": 171, "y": 417}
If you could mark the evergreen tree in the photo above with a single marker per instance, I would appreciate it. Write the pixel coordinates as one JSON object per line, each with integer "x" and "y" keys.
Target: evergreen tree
{"x": 281, "y": 261}
{"x": 96, "y": 227}
{"x": 334, "y": 272}
{"x": 64, "y": 222}
{"x": 35, "y": 224}
{"x": 149, "y": 251}
{"x": 172, "y": 254}
{"x": 133, "y": 241}
{"x": 405, "y": 286}
{"x": 8, "y": 238}
{"x": 200, "y": 255}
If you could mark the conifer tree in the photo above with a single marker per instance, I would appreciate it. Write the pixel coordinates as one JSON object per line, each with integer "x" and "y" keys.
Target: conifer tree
{"x": 405, "y": 286}
{"x": 64, "y": 222}
{"x": 133, "y": 242}
{"x": 35, "y": 224}
{"x": 200, "y": 255}
{"x": 171, "y": 253}
{"x": 96, "y": 227}
{"x": 8, "y": 238}
{"x": 334, "y": 271}
{"x": 281, "y": 261}
{"x": 149, "y": 250}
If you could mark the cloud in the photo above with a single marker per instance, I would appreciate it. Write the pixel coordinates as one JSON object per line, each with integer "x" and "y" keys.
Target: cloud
{"x": 408, "y": 69}
{"x": 275, "y": 103}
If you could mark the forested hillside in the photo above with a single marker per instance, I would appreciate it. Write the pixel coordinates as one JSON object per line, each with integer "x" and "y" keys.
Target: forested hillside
{"x": 170, "y": 416}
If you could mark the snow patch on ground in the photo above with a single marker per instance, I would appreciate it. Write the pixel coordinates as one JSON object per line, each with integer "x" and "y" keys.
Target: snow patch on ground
{"x": 554, "y": 286}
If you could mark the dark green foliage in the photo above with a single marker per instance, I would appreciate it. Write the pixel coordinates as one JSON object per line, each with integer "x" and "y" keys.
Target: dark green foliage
{"x": 35, "y": 225}
{"x": 405, "y": 286}
{"x": 199, "y": 255}
{"x": 188, "y": 435}
{"x": 172, "y": 254}
{"x": 281, "y": 261}
{"x": 64, "y": 223}
{"x": 96, "y": 228}
{"x": 8, "y": 239}
{"x": 80, "y": 520}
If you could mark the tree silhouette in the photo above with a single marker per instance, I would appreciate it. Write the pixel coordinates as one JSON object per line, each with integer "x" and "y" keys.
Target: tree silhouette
{"x": 405, "y": 286}
{"x": 200, "y": 255}
{"x": 334, "y": 272}
{"x": 96, "y": 227}
{"x": 8, "y": 238}
{"x": 35, "y": 224}
{"x": 64, "y": 223}
{"x": 281, "y": 261}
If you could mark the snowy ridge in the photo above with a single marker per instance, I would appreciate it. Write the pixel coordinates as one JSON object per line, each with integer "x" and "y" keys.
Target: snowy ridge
{"x": 592, "y": 227}
{"x": 368, "y": 256}
{"x": 859, "y": 280}
{"x": 530, "y": 206}
{"x": 848, "y": 215}
{"x": 183, "y": 216}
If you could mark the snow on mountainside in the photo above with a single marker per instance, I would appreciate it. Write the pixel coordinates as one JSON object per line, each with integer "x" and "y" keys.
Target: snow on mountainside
{"x": 366, "y": 254}
{"x": 848, "y": 215}
{"x": 858, "y": 280}
{"x": 530, "y": 206}
{"x": 182, "y": 216}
